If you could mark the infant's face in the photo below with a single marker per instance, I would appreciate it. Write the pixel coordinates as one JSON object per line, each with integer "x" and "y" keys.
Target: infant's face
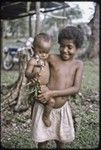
{"x": 43, "y": 49}
{"x": 43, "y": 55}
{"x": 67, "y": 49}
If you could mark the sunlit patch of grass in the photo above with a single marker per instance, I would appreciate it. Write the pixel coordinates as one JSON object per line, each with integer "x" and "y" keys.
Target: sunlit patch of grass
{"x": 9, "y": 77}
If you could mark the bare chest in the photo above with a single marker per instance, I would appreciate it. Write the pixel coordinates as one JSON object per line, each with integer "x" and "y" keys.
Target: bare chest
{"x": 62, "y": 75}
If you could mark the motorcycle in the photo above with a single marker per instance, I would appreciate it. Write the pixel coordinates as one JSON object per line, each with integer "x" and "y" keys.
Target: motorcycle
{"x": 11, "y": 56}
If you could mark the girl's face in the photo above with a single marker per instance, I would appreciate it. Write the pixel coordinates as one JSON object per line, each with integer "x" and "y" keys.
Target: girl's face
{"x": 67, "y": 49}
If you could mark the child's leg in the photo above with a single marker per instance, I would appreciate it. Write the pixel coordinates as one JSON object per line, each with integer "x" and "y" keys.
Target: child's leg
{"x": 42, "y": 145}
{"x": 46, "y": 114}
{"x": 59, "y": 145}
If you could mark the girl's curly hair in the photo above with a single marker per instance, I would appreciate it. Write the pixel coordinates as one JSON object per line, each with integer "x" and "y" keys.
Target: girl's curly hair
{"x": 72, "y": 33}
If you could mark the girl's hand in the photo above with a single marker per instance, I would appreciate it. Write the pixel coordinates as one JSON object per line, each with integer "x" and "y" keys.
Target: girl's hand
{"x": 45, "y": 97}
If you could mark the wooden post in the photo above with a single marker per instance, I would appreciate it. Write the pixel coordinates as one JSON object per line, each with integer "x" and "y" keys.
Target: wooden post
{"x": 30, "y": 23}
{"x": 64, "y": 14}
{"x": 1, "y": 40}
{"x": 30, "y": 27}
{"x": 37, "y": 24}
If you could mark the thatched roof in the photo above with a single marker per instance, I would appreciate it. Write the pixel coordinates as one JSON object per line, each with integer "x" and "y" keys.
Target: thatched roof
{"x": 18, "y": 9}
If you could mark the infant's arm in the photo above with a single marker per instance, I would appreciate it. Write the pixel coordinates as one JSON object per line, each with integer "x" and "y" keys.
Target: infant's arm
{"x": 29, "y": 70}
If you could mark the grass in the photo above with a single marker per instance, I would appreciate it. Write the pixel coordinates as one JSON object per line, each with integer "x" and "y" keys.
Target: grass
{"x": 86, "y": 111}
{"x": 91, "y": 75}
{"x": 8, "y": 77}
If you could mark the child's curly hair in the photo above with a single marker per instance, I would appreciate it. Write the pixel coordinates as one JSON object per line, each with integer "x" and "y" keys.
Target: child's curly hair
{"x": 72, "y": 33}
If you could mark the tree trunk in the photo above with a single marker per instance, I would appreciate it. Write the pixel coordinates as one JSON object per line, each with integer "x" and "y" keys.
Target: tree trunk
{"x": 93, "y": 48}
{"x": 17, "y": 95}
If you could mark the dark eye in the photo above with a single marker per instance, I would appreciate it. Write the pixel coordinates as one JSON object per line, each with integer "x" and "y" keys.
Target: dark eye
{"x": 69, "y": 47}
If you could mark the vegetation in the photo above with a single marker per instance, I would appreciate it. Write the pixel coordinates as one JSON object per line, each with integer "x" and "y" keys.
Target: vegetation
{"x": 16, "y": 127}
{"x": 17, "y": 27}
{"x": 69, "y": 13}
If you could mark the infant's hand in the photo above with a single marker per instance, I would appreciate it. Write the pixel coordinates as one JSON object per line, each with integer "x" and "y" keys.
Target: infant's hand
{"x": 44, "y": 97}
{"x": 32, "y": 81}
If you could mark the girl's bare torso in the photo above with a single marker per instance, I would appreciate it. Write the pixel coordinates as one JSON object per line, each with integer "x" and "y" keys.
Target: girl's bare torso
{"x": 62, "y": 77}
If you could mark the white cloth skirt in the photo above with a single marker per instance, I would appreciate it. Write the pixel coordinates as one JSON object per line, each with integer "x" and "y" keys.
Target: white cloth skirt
{"x": 61, "y": 129}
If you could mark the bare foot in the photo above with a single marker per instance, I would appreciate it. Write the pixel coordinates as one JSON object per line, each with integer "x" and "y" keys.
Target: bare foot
{"x": 46, "y": 121}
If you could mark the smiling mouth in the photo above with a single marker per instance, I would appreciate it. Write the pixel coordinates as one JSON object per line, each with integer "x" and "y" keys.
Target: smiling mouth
{"x": 66, "y": 56}
{"x": 63, "y": 54}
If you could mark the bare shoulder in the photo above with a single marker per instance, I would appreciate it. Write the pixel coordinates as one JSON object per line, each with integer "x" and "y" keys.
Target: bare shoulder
{"x": 79, "y": 63}
{"x": 52, "y": 57}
